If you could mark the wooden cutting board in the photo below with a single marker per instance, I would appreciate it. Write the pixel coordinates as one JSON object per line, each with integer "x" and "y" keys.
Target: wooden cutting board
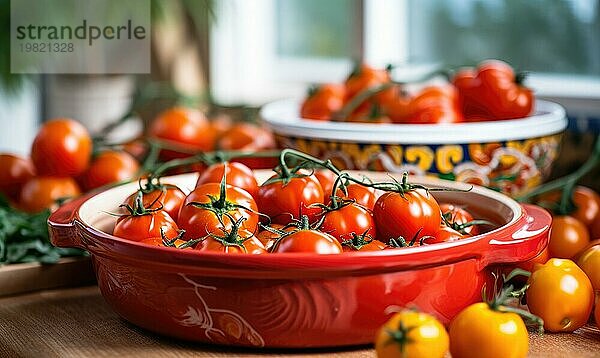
{"x": 28, "y": 277}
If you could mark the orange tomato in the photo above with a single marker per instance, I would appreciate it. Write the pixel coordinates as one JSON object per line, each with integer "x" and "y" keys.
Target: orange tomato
{"x": 480, "y": 331}
{"x": 388, "y": 96}
{"x": 109, "y": 167}
{"x": 282, "y": 201}
{"x": 363, "y": 77}
{"x": 323, "y": 101}
{"x": 203, "y": 211}
{"x": 138, "y": 148}
{"x": 459, "y": 216}
{"x": 399, "y": 109}
{"x": 589, "y": 261}
{"x": 568, "y": 237}
{"x": 411, "y": 334}
{"x": 595, "y": 230}
{"x": 586, "y": 201}
{"x": 234, "y": 242}
{"x": 445, "y": 234}
{"x": 369, "y": 112}
{"x": 362, "y": 243}
{"x": 41, "y": 193}
{"x": 168, "y": 197}
{"x": 597, "y": 315}
{"x": 238, "y": 175}
{"x": 268, "y": 238}
{"x": 362, "y": 195}
{"x": 183, "y": 127}
{"x": 493, "y": 92}
{"x": 540, "y": 259}
{"x": 312, "y": 241}
{"x": 144, "y": 226}
{"x": 221, "y": 123}
{"x": 561, "y": 294}
{"x": 246, "y": 136}
{"x": 327, "y": 179}
{"x": 14, "y": 172}
{"x": 249, "y": 137}
{"x": 62, "y": 147}
{"x": 348, "y": 220}
{"x": 434, "y": 104}
{"x": 158, "y": 241}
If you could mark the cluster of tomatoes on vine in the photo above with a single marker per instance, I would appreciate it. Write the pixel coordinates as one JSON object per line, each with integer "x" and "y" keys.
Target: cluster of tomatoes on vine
{"x": 559, "y": 298}
{"x": 573, "y": 226}
{"x": 490, "y": 92}
{"x": 298, "y": 209}
{"x": 66, "y": 160}
{"x": 559, "y": 291}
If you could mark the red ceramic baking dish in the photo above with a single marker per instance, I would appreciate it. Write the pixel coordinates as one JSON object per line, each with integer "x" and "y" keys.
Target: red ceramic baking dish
{"x": 294, "y": 300}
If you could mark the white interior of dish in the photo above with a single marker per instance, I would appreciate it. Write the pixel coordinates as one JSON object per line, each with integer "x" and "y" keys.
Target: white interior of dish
{"x": 284, "y": 118}
{"x": 483, "y": 203}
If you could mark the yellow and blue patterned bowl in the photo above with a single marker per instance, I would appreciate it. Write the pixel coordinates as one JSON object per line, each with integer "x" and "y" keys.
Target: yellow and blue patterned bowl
{"x": 510, "y": 156}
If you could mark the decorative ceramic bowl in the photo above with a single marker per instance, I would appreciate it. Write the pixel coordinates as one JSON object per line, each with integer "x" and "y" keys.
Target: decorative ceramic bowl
{"x": 294, "y": 300}
{"x": 511, "y": 156}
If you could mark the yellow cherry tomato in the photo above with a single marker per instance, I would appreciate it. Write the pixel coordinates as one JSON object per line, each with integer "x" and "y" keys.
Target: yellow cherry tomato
{"x": 561, "y": 294}
{"x": 411, "y": 334}
{"x": 480, "y": 331}
{"x": 589, "y": 262}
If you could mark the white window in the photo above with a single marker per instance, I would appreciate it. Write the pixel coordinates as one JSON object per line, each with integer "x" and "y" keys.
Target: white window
{"x": 263, "y": 50}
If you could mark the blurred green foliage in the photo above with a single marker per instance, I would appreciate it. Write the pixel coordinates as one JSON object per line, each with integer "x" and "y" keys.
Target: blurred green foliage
{"x": 316, "y": 28}
{"x": 8, "y": 82}
{"x": 558, "y": 36}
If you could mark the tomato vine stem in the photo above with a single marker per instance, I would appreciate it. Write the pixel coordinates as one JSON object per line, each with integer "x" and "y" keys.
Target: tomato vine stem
{"x": 327, "y": 164}
{"x": 400, "y": 187}
{"x": 567, "y": 183}
{"x": 208, "y": 158}
{"x": 357, "y": 100}
{"x": 500, "y": 298}
{"x": 450, "y": 222}
{"x": 338, "y": 184}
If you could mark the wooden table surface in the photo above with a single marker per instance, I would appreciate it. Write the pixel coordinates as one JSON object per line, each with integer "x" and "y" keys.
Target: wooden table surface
{"x": 77, "y": 322}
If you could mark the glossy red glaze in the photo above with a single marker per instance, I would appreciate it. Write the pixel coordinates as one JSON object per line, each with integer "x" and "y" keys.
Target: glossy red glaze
{"x": 293, "y": 300}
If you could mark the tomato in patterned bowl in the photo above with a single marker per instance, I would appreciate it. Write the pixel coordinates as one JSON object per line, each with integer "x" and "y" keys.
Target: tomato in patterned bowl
{"x": 510, "y": 156}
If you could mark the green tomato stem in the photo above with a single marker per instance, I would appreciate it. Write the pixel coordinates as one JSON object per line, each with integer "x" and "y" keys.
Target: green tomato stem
{"x": 207, "y": 158}
{"x": 286, "y": 173}
{"x": 357, "y": 100}
{"x": 516, "y": 272}
{"x": 568, "y": 182}
{"x": 338, "y": 184}
{"x": 533, "y": 319}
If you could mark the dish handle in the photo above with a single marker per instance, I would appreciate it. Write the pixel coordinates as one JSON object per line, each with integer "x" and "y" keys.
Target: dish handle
{"x": 525, "y": 243}
{"x": 61, "y": 224}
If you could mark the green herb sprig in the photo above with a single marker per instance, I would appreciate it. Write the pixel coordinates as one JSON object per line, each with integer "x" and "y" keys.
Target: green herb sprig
{"x": 24, "y": 237}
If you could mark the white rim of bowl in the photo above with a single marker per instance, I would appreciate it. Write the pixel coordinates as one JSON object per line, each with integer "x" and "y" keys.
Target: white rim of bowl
{"x": 284, "y": 119}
